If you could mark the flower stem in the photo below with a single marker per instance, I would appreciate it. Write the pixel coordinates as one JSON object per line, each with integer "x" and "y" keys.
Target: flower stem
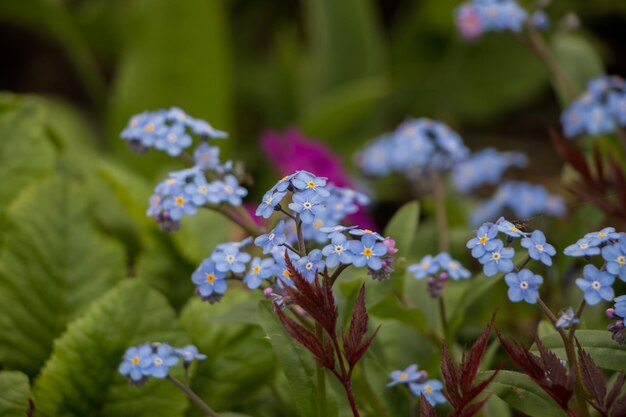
{"x": 301, "y": 245}
{"x": 348, "y": 387}
{"x": 442, "y": 230}
{"x": 252, "y": 230}
{"x": 193, "y": 397}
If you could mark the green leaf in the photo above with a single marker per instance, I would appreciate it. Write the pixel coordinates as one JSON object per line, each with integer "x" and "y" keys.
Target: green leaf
{"x": 81, "y": 378}
{"x": 606, "y": 352}
{"x": 403, "y": 226}
{"x": 521, "y": 393}
{"x": 391, "y": 308}
{"x": 26, "y": 153}
{"x": 54, "y": 265}
{"x": 296, "y": 362}
{"x": 481, "y": 284}
{"x": 240, "y": 361}
{"x": 14, "y": 394}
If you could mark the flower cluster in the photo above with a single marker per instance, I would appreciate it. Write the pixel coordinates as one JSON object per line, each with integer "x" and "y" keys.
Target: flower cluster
{"x": 155, "y": 360}
{"x": 522, "y": 199}
{"x": 415, "y": 146}
{"x": 167, "y": 130}
{"x": 310, "y": 211}
{"x": 599, "y": 110}
{"x": 485, "y": 167}
{"x": 208, "y": 182}
{"x": 431, "y": 265}
{"x": 419, "y": 384}
{"x": 476, "y": 17}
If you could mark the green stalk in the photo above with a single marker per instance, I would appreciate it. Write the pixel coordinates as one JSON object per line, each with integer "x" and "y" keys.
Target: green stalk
{"x": 442, "y": 230}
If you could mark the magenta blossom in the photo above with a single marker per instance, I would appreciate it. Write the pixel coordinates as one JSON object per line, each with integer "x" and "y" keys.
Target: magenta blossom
{"x": 290, "y": 151}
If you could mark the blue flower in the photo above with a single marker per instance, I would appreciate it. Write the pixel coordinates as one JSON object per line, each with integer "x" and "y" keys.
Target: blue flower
{"x": 311, "y": 264}
{"x": 484, "y": 241}
{"x": 581, "y": 248}
{"x": 189, "y": 354}
{"x": 260, "y": 269}
{"x": 230, "y": 190}
{"x": 179, "y": 203}
{"x": 596, "y": 285}
{"x": 523, "y": 285}
{"x": 410, "y": 374}
{"x": 454, "y": 268}
{"x": 208, "y": 279}
{"x": 306, "y": 181}
{"x": 307, "y": 204}
{"x": 431, "y": 390}
{"x": 499, "y": 259}
{"x": 202, "y": 128}
{"x": 567, "y": 318}
{"x": 136, "y": 362}
{"x": 281, "y": 272}
{"x": 484, "y": 167}
{"x": 201, "y": 192}
{"x": 161, "y": 361}
{"x": 615, "y": 257}
{"x": 337, "y": 251}
{"x": 365, "y": 232}
{"x": 427, "y": 266}
{"x": 620, "y": 306}
{"x": 229, "y": 258}
{"x": 269, "y": 202}
{"x": 538, "y": 248}
{"x": 283, "y": 184}
{"x": 334, "y": 230}
{"x": 274, "y": 238}
{"x": 374, "y": 159}
{"x": 597, "y": 238}
{"x": 540, "y": 20}
{"x": 207, "y": 156}
{"x": 173, "y": 140}
{"x": 367, "y": 251}
{"x": 509, "y": 228}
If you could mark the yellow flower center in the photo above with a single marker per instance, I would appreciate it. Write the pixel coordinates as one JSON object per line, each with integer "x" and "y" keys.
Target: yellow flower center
{"x": 453, "y": 265}
{"x": 514, "y": 229}
{"x": 202, "y": 189}
{"x": 621, "y": 260}
{"x": 403, "y": 376}
{"x": 284, "y": 178}
{"x": 135, "y": 360}
{"x": 286, "y": 273}
{"x": 368, "y": 252}
{"x": 149, "y": 128}
{"x": 180, "y": 200}
{"x": 170, "y": 181}
{"x": 228, "y": 189}
{"x": 367, "y": 231}
{"x": 426, "y": 265}
{"x": 268, "y": 200}
{"x": 600, "y": 234}
{"x": 483, "y": 240}
{"x": 210, "y": 278}
{"x": 310, "y": 184}
{"x": 318, "y": 224}
{"x": 428, "y": 389}
{"x": 256, "y": 269}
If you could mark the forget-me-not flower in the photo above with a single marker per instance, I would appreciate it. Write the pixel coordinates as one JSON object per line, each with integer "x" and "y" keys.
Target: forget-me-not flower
{"x": 567, "y": 318}
{"x": 136, "y": 362}
{"x": 410, "y": 374}
{"x": 615, "y": 257}
{"x": 189, "y": 354}
{"x": 538, "y": 248}
{"x": 311, "y": 264}
{"x": 500, "y": 259}
{"x": 272, "y": 239}
{"x": 484, "y": 241}
{"x": 307, "y": 204}
{"x": 523, "y": 285}
{"x": 337, "y": 251}
{"x": 367, "y": 251}
{"x": 429, "y": 265}
{"x": 581, "y": 248}
{"x": 229, "y": 258}
{"x": 161, "y": 361}
{"x": 208, "y": 279}
{"x": 259, "y": 270}
{"x": 597, "y": 285}
{"x": 431, "y": 390}
{"x": 453, "y": 267}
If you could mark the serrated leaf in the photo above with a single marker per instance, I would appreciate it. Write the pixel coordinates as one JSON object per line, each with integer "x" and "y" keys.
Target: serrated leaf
{"x": 521, "y": 393}
{"x": 403, "y": 226}
{"x": 81, "y": 378}
{"x": 55, "y": 264}
{"x": 14, "y": 394}
{"x": 606, "y": 352}
{"x": 26, "y": 153}
{"x": 240, "y": 362}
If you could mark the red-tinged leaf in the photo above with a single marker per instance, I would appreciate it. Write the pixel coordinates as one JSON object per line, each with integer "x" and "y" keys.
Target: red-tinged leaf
{"x": 618, "y": 180}
{"x": 615, "y": 390}
{"x": 358, "y": 326}
{"x": 593, "y": 378}
{"x": 475, "y": 390}
{"x": 529, "y": 363}
{"x": 472, "y": 409}
{"x": 426, "y": 410}
{"x": 619, "y": 407}
{"x": 471, "y": 361}
{"x": 307, "y": 339}
{"x": 356, "y": 356}
{"x": 571, "y": 155}
{"x": 450, "y": 378}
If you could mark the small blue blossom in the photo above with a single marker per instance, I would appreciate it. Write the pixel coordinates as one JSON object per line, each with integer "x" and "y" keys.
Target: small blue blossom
{"x": 281, "y": 272}
{"x": 207, "y": 156}
{"x": 306, "y": 181}
{"x": 615, "y": 257}
{"x": 410, "y": 374}
{"x": 509, "y": 228}
{"x": 567, "y": 318}
{"x": 201, "y": 192}
{"x": 523, "y": 285}
{"x": 136, "y": 362}
{"x": 173, "y": 140}
{"x": 484, "y": 241}
{"x": 333, "y": 230}
{"x": 311, "y": 264}
{"x": 209, "y": 280}
{"x": 189, "y": 354}
{"x": 229, "y": 258}
{"x": 581, "y": 248}
{"x": 453, "y": 267}
{"x": 597, "y": 238}
{"x": 259, "y": 270}
{"x": 374, "y": 160}
{"x": 429, "y": 265}
{"x": 500, "y": 259}
{"x": 230, "y": 191}
{"x": 283, "y": 184}
{"x": 484, "y": 167}
{"x": 337, "y": 251}
{"x": 597, "y": 285}
{"x": 179, "y": 203}
{"x": 161, "y": 361}
{"x": 431, "y": 390}
{"x": 538, "y": 248}
{"x": 269, "y": 202}
{"x": 365, "y": 232}
{"x": 274, "y": 238}
{"x": 367, "y": 251}
{"x": 202, "y": 128}
{"x": 307, "y": 204}
{"x": 620, "y": 306}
